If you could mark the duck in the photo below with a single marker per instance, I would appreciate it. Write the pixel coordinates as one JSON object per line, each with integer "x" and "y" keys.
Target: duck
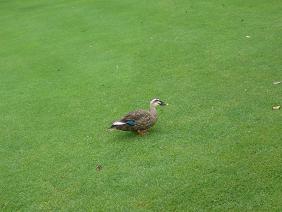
{"x": 139, "y": 121}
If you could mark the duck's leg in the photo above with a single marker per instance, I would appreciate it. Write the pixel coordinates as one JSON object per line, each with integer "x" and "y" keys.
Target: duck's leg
{"x": 141, "y": 132}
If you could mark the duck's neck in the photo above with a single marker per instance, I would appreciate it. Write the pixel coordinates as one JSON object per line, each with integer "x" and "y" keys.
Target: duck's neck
{"x": 153, "y": 110}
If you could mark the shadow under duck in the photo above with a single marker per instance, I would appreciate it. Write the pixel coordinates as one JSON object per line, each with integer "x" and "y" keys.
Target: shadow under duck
{"x": 139, "y": 121}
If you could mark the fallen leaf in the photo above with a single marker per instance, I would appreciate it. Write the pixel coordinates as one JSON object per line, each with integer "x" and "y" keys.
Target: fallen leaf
{"x": 276, "y": 107}
{"x": 99, "y": 167}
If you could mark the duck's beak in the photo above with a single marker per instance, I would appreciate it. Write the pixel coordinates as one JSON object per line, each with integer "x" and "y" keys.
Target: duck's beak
{"x": 163, "y": 103}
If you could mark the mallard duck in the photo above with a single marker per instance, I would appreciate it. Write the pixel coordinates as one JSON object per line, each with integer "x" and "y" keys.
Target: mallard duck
{"x": 139, "y": 121}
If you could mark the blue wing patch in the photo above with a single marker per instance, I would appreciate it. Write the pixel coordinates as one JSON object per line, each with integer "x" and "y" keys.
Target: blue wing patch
{"x": 130, "y": 122}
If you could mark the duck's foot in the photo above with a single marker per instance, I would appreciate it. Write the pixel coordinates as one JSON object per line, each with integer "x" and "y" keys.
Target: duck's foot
{"x": 141, "y": 132}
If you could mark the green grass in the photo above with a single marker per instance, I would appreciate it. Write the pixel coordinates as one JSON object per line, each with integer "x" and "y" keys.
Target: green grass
{"x": 68, "y": 68}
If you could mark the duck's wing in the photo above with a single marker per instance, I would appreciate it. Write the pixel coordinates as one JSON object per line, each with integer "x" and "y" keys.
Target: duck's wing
{"x": 134, "y": 121}
{"x": 139, "y": 119}
{"x": 137, "y": 115}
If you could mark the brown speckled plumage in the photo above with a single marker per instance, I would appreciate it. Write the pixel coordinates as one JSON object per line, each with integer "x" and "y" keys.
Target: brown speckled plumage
{"x": 140, "y": 120}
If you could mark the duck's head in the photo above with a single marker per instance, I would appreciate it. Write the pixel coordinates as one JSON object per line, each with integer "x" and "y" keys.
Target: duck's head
{"x": 155, "y": 102}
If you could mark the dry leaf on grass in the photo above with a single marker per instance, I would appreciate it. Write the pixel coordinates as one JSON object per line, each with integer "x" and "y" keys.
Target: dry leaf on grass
{"x": 275, "y": 107}
{"x": 99, "y": 167}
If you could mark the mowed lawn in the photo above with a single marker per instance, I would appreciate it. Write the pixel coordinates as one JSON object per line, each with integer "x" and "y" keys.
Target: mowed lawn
{"x": 68, "y": 68}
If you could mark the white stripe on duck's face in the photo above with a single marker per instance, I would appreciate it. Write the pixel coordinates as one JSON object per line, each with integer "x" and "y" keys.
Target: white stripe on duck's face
{"x": 156, "y": 102}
